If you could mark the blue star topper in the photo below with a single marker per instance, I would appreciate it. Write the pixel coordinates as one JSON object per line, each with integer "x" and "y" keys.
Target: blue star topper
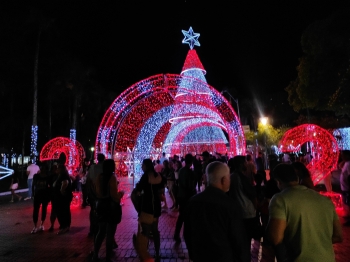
{"x": 191, "y": 38}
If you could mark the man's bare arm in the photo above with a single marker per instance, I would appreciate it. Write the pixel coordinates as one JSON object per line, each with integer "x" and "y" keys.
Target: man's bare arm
{"x": 275, "y": 230}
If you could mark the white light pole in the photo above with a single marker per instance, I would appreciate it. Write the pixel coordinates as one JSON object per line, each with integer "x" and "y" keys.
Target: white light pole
{"x": 264, "y": 121}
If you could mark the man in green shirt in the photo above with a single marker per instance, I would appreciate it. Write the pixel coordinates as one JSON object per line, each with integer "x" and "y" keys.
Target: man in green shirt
{"x": 301, "y": 220}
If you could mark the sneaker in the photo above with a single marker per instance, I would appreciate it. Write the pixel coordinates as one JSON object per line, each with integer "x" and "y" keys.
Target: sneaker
{"x": 11, "y": 201}
{"x": 34, "y": 230}
{"x": 41, "y": 228}
{"x": 27, "y": 198}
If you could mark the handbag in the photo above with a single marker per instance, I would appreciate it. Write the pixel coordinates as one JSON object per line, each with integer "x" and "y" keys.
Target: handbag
{"x": 136, "y": 200}
{"x": 108, "y": 210}
{"x": 14, "y": 186}
{"x": 116, "y": 212}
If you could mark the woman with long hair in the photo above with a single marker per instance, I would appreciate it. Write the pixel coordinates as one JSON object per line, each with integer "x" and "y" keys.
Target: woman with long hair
{"x": 152, "y": 186}
{"x": 108, "y": 208}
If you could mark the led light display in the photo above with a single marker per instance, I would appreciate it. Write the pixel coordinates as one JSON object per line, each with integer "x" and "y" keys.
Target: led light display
{"x": 53, "y": 149}
{"x": 191, "y": 38}
{"x": 34, "y": 143}
{"x": 324, "y": 149}
{"x": 342, "y": 135}
{"x": 170, "y": 113}
{"x": 5, "y": 172}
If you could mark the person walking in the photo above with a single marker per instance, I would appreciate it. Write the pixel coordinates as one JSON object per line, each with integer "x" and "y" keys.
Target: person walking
{"x": 213, "y": 229}
{"x": 108, "y": 209}
{"x": 244, "y": 194}
{"x": 54, "y": 194}
{"x": 91, "y": 177}
{"x": 41, "y": 193}
{"x": 64, "y": 198}
{"x": 303, "y": 223}
{"x": 32, "y": 169}
{"x": 187, "y": 189}
{"x": 152, "y": 186}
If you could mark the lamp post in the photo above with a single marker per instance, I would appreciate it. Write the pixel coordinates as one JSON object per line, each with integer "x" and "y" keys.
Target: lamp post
{"x": 92, "y": 149}
{"x": 264, "y": 121}
{"x": 236, "y": 101}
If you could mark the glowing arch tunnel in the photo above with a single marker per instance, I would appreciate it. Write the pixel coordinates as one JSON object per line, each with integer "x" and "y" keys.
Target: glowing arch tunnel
{"x": 140, "y": 112}
{"x": 172, "y": 113}
{"x": 323, "y": 145}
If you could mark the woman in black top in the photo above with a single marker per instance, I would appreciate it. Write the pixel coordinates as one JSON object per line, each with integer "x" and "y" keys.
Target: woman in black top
{"x": 152, "y": 186}
{"x": 41, "y": 192}
{"x": 62, "y": 188}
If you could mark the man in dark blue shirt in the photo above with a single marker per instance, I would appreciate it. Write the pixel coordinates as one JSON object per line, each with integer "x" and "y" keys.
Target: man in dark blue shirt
{"x": 213, "y": 228}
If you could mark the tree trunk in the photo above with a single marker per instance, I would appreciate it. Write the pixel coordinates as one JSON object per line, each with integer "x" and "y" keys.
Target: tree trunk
{"x": 36, "y": 63}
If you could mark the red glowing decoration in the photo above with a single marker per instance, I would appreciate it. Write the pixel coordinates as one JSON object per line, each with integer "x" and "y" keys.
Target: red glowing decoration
{"x": 192, "y": 61}
{"x": 323, "y": 146}
{"x": 52, "y": 150}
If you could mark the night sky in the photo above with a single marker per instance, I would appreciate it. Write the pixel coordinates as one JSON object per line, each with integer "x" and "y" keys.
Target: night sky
{"x": 250, "y": 48}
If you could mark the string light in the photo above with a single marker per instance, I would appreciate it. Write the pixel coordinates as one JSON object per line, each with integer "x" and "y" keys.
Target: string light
{"x": 191, "y": 38}
{"x": 342, "y": 135}
{"x": 5, "y": 172}
{"x": 324, "y": 148}
{"x": 170, "y": 113}
{"x": 34, "y": 143}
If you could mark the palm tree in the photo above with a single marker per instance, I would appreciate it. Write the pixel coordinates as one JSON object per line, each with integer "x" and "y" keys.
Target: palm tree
{"x": 41, "y": 23}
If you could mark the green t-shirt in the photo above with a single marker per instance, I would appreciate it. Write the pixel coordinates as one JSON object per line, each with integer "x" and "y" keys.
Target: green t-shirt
{"x": 309, "y": 216}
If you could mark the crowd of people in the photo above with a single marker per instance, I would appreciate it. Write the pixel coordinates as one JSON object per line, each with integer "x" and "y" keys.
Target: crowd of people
{"x": 230, "y": 202}
{"x": 223, "y": 205}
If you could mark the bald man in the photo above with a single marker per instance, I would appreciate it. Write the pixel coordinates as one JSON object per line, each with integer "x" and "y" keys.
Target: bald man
{"x": 213, "y": 230}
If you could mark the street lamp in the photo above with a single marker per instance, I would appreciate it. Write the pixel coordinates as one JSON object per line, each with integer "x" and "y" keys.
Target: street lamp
{"x": 264, "y": 121}
{"x": 236, "y": 101}
{"x": 92, "y": 149}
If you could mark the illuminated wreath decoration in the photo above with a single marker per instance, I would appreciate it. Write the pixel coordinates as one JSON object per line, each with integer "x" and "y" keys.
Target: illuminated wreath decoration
{"x": 73, "y": 151}
{"x": 324, "y": 147}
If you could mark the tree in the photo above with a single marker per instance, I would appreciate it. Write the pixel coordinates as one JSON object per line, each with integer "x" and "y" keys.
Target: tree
{"x": 41, "y": 24}
{"x": 323, "y": 81}
{"x": 272, "y": 135}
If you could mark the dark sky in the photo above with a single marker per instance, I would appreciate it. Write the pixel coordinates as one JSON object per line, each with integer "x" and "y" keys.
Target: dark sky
{"x": 249, "y": 47}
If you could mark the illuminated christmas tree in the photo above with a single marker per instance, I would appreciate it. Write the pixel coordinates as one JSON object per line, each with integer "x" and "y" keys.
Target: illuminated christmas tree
{"x": 194, "y": 111}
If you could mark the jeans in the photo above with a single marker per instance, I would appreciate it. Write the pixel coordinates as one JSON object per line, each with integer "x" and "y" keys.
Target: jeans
{"x": 30, "y": 182}
{"x": 43, "y": 202}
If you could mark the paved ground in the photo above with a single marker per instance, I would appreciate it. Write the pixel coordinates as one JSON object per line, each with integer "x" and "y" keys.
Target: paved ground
{"x": 17, "y": 244}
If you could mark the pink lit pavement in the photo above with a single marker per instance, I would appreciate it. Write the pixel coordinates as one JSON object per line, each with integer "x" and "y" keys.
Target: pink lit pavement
{"x": 17, "y": 244}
